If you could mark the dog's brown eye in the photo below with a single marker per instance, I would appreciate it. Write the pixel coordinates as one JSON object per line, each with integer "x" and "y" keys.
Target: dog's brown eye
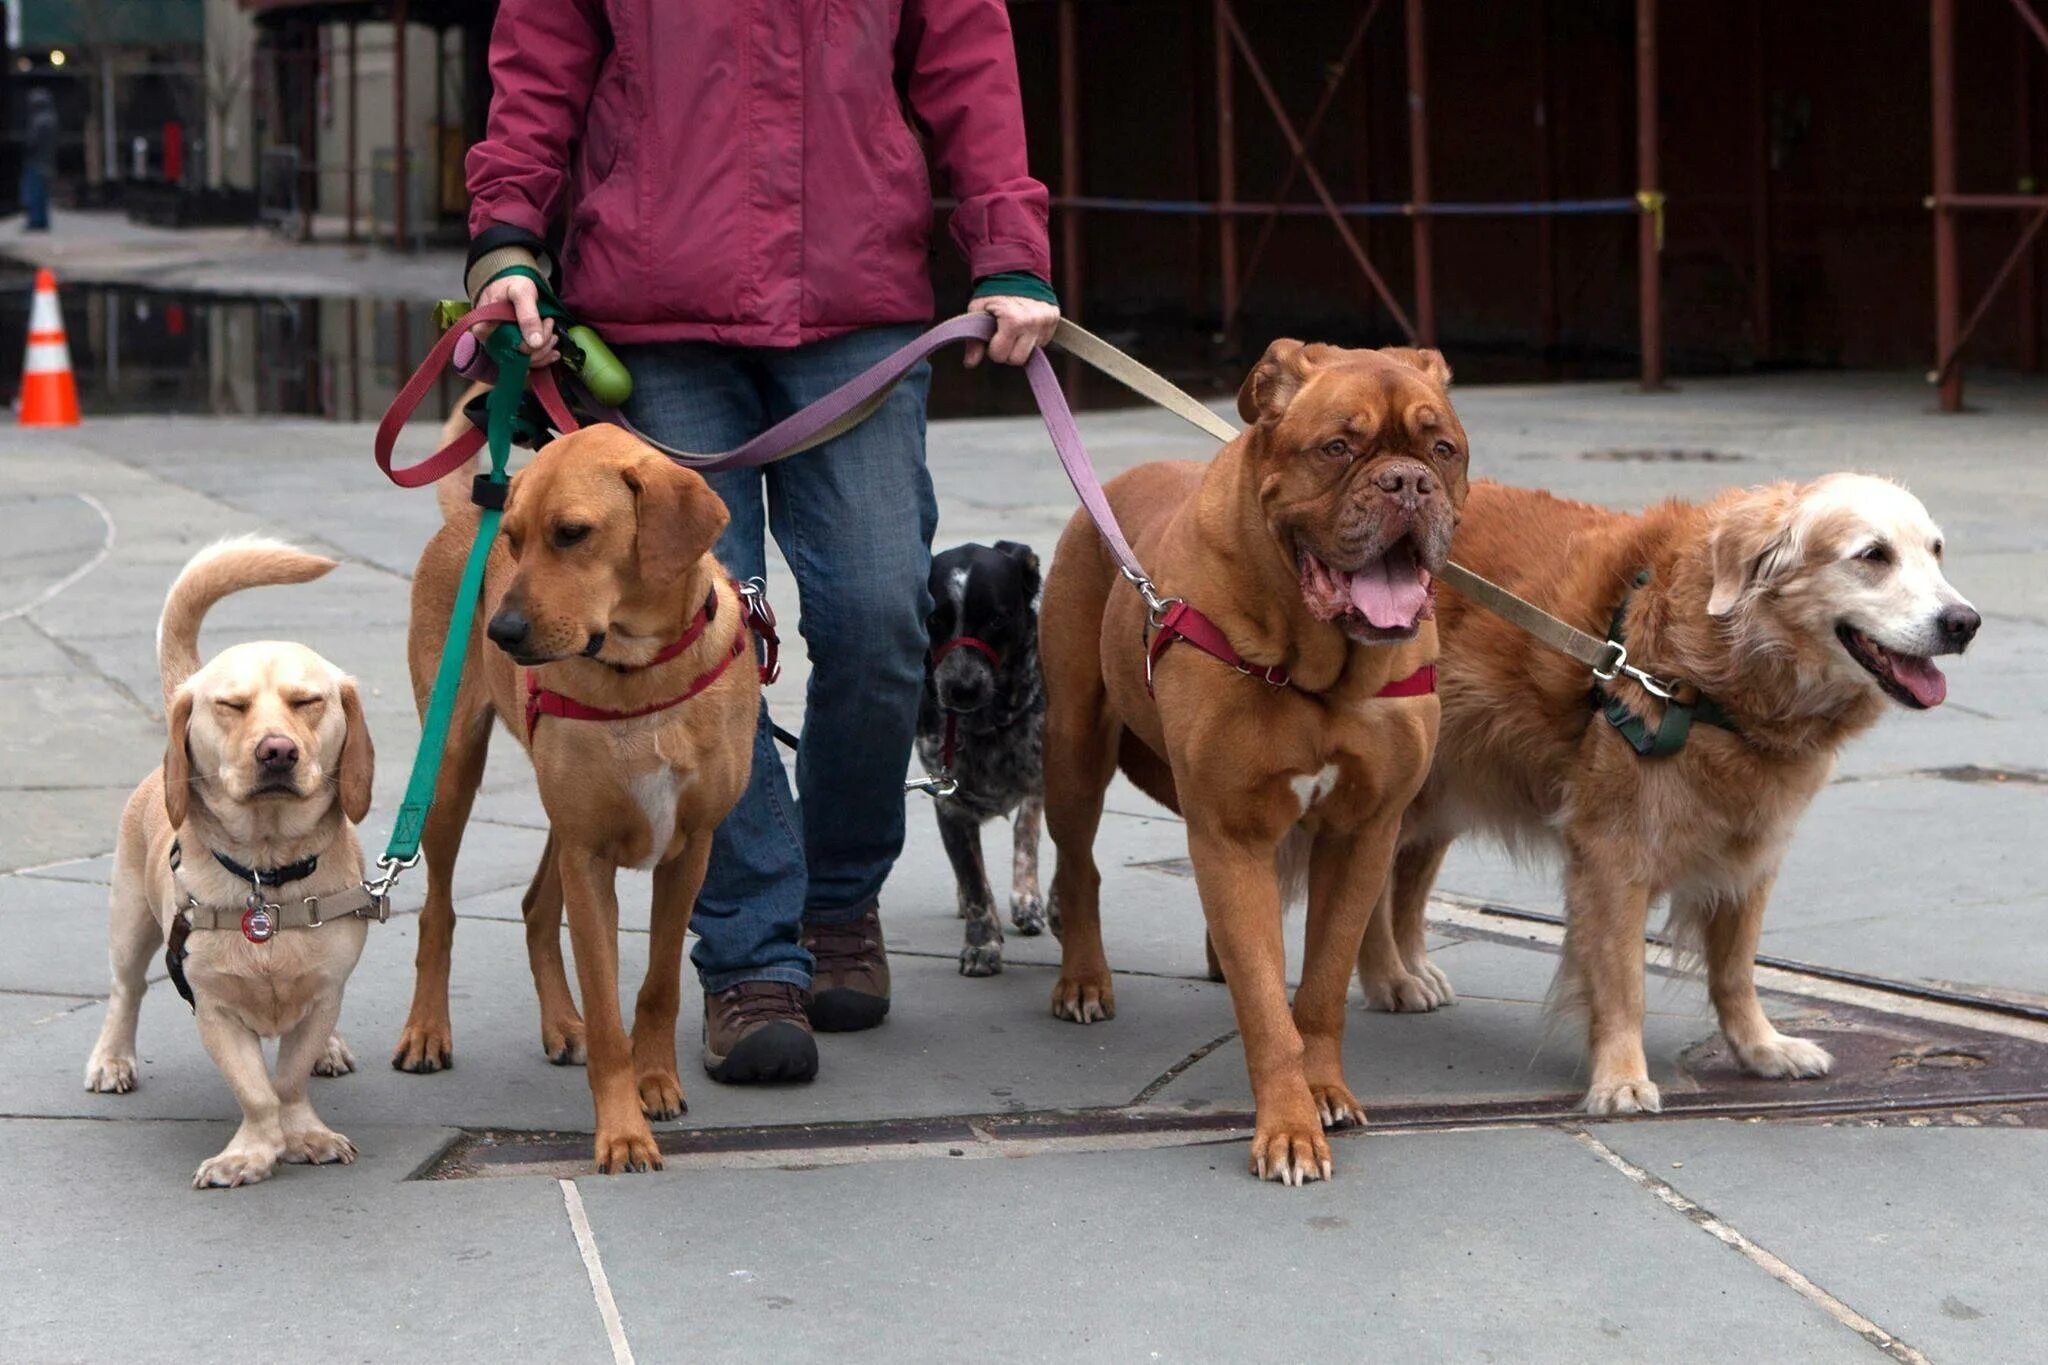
{"x": 565, "y": 536}
{"x": 1445, "y": 450}
{"x": 1338, "y": 449}
{"x": 1937, "y": 549}
{"x": 1880, "y": 553}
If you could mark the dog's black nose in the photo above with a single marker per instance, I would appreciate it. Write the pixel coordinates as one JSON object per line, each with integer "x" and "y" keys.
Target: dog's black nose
{"x": 1405, "y": 481}
{"x": 509, "y": 628}
{"x": 1958, "y": 626}
{"x": 277, "y": 754}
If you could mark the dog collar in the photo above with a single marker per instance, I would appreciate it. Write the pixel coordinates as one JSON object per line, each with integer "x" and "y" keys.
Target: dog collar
{"x": 259, "y": 920}
{"x": 698, "y": 625}
{"x": 1679, "y": 713}
{"x": 259, "y": 876}
{"x": 979, "y": 646}
{"x": 1180, "y": 621}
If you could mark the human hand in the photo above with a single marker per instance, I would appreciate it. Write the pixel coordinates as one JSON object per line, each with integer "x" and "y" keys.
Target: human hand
{"x": 537, "y": 333}
{"x": 1022, "y": 326}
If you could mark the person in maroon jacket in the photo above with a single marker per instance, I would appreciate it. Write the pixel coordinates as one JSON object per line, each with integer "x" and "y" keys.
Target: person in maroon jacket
{"x": 748, "y": 215}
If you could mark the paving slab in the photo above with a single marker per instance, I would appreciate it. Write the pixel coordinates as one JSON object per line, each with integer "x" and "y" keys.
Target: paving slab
{"x": 1926, "y": 1231}
{"x": 1476, "y": 1246}
{"x": 112, "y": 1255}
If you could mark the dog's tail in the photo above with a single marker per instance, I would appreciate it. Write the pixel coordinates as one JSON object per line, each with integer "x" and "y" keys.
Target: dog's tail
{"x": 451, "y": 490}
{"x": 224, "y": 567}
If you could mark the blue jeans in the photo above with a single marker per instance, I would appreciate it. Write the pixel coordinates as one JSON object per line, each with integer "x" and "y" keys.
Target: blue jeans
{"x": 854, "y": 518}
{"x": 35, "y": 198}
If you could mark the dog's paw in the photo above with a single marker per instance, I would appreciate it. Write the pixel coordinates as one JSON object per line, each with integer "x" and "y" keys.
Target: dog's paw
{"x": 1434, "y": 978}
{"x": 1291, "y": 1151}
{"x": 631, "y": 1150}
{"x": 318, "y": 1147}
{"x": 1781, "y": 1056}
{"x": 110, "y": 1073}
{"x": 424, "y": 1048}
{"x": 336, "y": 1060}
{"x": 1027, "y": 913}
{"x": 661, "y": 1096}
{"x": 562, "y": 1043}
{"x": 1336, "y": 1106}
{"x": 1083, "y": 1001}
{"x": 981, "y": 959}
{"x": 237, "y": 1166}
{"x": 1399, "y": 992}
{"x": 1624, "y": 1095}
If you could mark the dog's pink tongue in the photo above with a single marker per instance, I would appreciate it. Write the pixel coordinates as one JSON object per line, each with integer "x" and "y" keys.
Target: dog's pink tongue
{"x": 1920, "y": 677}
{"x": 1391, "y": 592}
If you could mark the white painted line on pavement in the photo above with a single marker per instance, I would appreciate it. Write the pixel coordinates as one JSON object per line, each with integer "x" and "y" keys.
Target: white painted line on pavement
{"x": 47, "y": 595}
{"x": 600, "y": 1287}
{"x": 1769, "y": 1263}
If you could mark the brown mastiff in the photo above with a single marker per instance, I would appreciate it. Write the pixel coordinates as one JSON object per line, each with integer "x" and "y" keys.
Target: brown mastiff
{"x": 1310, "y": 542}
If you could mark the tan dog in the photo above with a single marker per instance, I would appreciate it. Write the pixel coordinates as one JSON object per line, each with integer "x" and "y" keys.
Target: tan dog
{"x": 605, "y": 560}
{"x": 1310, "y": 541}
{"x": 1797, "y": 609}
{"x": 267, "y": 766}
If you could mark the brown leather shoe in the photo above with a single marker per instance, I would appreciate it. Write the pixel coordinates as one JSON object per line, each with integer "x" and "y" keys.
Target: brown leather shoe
{"x": 756, "y": 1032}
{"x": 850, "y": 983}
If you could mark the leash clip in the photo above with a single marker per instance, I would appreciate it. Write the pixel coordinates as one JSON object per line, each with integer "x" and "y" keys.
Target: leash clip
{"x": 1156, "y": 606}
{"x": 381, "y": 887}
{"x": 944, "y": 785}
{"x": 1617, "y": 665}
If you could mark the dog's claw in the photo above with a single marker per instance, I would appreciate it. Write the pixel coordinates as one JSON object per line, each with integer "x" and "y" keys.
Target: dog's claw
{"x": 661, "y": 1097}
{"x": 424, "y": 1049}
{"x": 110, "y": 1075}
{"x": 1083, "y": 1002}
{"x": 630, "y": 1154}
{"x": 336, "y": 1060}
{"x": 1027, "y": 913}
{"x": 981, "y": 959}
{"x": 1629, "y": 1095}
{"x": 564, "y": 1045}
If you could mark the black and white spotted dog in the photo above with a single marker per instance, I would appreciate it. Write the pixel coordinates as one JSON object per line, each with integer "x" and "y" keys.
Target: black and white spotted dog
{"x": 983, "y": 720}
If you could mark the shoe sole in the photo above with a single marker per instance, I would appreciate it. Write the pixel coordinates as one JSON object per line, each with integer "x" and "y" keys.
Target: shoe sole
{"x": 773, "y": 1054}
{"x": 844, "y": 1010}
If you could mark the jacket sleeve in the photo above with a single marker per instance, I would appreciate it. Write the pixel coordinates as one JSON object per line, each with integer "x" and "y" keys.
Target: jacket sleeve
{"x": 959, "y": 64}
{"x": 544, "y": 60}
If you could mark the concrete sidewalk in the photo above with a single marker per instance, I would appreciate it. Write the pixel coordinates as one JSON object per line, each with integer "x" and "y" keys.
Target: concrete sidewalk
{"x": 976, "y": 1177}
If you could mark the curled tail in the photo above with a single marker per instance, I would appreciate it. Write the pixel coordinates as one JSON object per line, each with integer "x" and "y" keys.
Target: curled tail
{"x": 224, "y": 567}
{"x": 451, "y": 490}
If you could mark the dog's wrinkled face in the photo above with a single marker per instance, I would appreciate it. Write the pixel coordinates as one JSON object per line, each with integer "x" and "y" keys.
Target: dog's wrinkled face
{"x": 267, "y": 736}
{"x": 983, "y": 593}
{"x": 1361, "y": 463}
{"x": 1849, "y": 567}
{"x": 603, "y": 528}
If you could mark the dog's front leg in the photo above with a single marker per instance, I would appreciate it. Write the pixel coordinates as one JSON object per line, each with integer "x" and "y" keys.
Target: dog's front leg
{"x": 561, "y": 1027}
{"x": 1731, "y": 926}
{"x": 676, "y": 883}
{"x": 1603, "y": 969}
{"x": 1394, "y": 967}
{"x": 306, "y": 1138}
{"x": 960, "y": 832}
{"x": 252, "y": 1153}
{"x": 1347, "y": 881}
{"x": 624, "y": 1141}
{"x": 1027, "y": 906}
{"x": 1241, "y": 901}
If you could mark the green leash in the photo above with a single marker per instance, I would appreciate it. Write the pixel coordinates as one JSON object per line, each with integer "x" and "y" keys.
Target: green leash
{"x": 502, "y": 411}
{"x": 1676, "y": 726}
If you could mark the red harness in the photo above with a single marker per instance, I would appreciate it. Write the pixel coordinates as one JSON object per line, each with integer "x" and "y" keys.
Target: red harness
{"x": 1183, "y": 622}
{"x": 756, "y": 618}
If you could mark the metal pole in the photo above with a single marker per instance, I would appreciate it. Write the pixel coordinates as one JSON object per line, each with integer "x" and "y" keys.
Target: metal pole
{"x": 1226, "y": 160}
{"x": 1649, "y": 227}
{"x": 398, "y": 211}
{"x": 1418, "y": 176}
{"x": 1546, "y": 230}
{"x": 354, "y": 90}
{"x": 1941, "y": 55}
{"x": 1760, "y": 187}
{"x": 2027, "y": 282}
{"x": 1070, "y": 161}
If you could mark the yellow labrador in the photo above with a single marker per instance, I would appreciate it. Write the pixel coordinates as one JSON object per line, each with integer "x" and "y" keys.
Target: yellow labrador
{"x": 238, "y": 860}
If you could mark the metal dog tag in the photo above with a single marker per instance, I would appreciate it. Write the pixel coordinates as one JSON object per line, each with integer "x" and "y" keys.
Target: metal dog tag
{"x": 257, "y": 924}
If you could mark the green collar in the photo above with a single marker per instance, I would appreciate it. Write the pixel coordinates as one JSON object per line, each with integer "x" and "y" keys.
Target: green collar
{"x": 1672, "y": 731}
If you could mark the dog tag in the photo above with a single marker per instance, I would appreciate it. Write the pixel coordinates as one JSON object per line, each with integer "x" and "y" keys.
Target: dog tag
{"x": 257, "y": 925}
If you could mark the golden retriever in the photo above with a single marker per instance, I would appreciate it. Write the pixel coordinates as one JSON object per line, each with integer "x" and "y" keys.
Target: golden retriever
{"x": 268, "y": 765}
{"x": 1799, "y": 609}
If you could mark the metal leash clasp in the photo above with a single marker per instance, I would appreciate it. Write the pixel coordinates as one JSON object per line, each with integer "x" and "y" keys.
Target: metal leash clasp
{"x": 933, "y": 784}
{"x": 1617, "y": 665}
{"x": 1157, "y": 609}
{"x": 381, "y": 887}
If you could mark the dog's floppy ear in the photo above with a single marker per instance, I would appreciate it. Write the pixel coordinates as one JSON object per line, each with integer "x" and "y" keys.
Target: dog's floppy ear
{"x": 177, "y": 759}
{"x": 358, "y": 756}
{"x": 1430, "y": 362}
{"x": 680, "y": 517}
{"x": 1753, "y": 544}
{"x": 1026, "y": 556}
{"x": 1274, "y": 381}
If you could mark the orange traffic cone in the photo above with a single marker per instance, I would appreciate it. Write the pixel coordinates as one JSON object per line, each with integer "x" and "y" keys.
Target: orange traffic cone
{"x": 49, "y": 395}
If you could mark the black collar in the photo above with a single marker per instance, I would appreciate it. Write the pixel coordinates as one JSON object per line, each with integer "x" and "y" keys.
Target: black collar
{"x": 267, "y": 876}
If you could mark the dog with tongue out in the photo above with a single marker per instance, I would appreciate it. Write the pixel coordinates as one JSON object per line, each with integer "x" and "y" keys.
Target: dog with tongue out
{"x": 1309, "y": 544}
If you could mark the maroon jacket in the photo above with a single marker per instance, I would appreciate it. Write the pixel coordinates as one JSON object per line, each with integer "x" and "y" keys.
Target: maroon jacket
{"x": 743, "y": 172}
